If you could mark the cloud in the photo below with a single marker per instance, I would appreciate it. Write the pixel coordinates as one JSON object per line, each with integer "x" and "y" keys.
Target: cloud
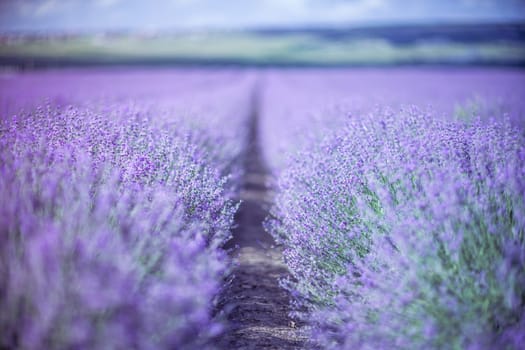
{"x": 46, "y": 7}
{"x": 171, "y": 14}
{"x": 277, "y": 12}
{"x": 106, "y": 3}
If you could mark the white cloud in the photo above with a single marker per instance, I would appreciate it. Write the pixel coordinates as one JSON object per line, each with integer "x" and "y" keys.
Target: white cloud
{"x": 106, "y": 3}
{"x": 166, "y": 14}
{"x": 317, "y": 11}
{"x": 46, "y": 7}
{"x": 277, "y": 12}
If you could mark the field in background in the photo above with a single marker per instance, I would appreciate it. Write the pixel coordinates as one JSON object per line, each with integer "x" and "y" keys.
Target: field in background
{"x": 495, "y": 44}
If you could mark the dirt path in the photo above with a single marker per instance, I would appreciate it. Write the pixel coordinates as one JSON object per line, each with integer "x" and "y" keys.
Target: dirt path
{"x": 258, "y": 306}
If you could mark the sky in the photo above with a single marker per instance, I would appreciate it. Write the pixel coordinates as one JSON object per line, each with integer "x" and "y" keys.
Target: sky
{"x": 160, "y": 15}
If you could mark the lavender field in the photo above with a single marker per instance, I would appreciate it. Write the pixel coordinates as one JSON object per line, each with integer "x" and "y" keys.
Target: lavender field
{"x": 371, "y": 208}
{"x": 400, "y": 206}
{"x": 116, "y": 200}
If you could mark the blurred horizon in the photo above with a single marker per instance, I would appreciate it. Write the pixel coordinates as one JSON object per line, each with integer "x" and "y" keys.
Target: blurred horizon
{"x": 43, "y": 33}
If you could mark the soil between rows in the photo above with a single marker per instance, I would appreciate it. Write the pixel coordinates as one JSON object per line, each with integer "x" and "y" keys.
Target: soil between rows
{"x": 257, "y": 307}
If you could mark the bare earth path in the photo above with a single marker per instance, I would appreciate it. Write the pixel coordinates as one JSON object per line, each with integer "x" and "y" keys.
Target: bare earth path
{"x": 258, "y": 306}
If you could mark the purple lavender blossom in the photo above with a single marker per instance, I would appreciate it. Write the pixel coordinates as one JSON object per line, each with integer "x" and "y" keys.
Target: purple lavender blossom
{"x": 113, "y": 213}
{"x": 401, "y": 225}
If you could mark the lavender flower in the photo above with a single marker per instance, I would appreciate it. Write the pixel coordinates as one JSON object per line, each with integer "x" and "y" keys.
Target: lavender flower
{"x": 401, "y": 225}
{"x": 113, "y": 214}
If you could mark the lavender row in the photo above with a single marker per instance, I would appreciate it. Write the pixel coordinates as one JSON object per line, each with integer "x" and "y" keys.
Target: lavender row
{"x": 402, "y": 226}
{"x": 26, "y": 90}
{"x": 113, "y": 214}
{"x": 299, "y": 105}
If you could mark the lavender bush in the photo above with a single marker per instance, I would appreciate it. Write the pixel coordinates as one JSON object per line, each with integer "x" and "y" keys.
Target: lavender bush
{"x": 444, "y": 266}
{"x": 404, "y": 229}
{"x": 112, "y": 217}
{"x": 300, "y": 105}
